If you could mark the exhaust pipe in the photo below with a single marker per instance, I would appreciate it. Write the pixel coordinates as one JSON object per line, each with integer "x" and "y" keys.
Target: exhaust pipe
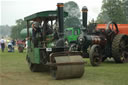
{"x": 84, "y": 16}
{"x": 60, "y": 19}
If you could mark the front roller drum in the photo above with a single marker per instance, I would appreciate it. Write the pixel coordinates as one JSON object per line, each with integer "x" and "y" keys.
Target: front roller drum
{"x": 67, "y": 67}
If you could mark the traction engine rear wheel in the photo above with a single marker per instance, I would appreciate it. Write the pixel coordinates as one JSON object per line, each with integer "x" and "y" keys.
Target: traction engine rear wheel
{"x": 34, "y": 67}
{"x": 120, "y": 48}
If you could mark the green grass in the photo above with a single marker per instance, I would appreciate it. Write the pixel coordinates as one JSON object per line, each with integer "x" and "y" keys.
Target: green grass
{"x": 14, "y": 71}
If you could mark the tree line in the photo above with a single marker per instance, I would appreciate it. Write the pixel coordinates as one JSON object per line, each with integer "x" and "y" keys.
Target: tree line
{"x": 114, "y": 10}
{"x": 111, "y": 10}
{"x": 5, "y": 31}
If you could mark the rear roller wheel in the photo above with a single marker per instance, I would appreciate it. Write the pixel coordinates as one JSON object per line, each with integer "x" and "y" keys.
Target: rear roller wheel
{"x": 38, "y": 68}
{"x": 34, "y": 67}
{"x": 95, "y": 55}
{"x": 120, "y": 48}
{"x": 67, "y": 70}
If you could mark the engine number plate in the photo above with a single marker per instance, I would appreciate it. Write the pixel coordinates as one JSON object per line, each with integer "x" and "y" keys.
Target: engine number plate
{"x": 48, "y": 49}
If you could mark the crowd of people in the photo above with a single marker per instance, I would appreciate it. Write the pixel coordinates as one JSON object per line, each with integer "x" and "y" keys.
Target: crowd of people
{"x": 10, "y": 44}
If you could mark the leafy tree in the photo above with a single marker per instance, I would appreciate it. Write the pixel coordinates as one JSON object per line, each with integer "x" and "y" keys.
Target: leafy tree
{"x": 112, "y": 10}
{"x": 20, "y": 24}
{"x": 73, "y": 14}
{"x": 125, "y": 7}
{"x": 72, "y": 22}
{"x": 72, "y": 8}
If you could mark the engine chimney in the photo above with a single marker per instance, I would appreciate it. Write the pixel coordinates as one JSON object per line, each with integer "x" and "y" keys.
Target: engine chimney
{"x": 84, "y": 16}
{"x": 61, "y": 19}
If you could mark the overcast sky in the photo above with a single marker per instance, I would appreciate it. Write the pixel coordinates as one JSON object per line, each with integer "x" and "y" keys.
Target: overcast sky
{"x": 11, "y": 10}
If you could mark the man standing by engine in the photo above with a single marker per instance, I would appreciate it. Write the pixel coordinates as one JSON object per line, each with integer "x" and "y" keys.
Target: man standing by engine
{"x": 2, "y": 42}
{"x": 36, "y": 25}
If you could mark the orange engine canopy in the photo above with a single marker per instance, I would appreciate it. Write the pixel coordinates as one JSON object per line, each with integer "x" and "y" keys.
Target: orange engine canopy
{"x": 123, "y": 28}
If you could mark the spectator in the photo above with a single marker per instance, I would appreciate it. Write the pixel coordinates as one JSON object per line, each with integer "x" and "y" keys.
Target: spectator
{"x": 10, "y": 47}
{"x": 13, "y": 42}
{"x": 2, "y": 42}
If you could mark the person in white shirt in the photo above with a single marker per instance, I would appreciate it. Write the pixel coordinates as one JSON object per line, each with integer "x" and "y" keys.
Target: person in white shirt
{"x": 2, "y": 42}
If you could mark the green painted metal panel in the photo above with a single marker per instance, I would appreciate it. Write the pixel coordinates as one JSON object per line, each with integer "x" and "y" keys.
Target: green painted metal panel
{"x": 37, "y": 55}
{"x": 44, "y": 14}
{"x": 33, "y": 53}
{"x": 30, "y": 52}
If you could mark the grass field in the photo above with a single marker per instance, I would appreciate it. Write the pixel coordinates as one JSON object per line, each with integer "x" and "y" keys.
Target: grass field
{"x": 14, "y": 71}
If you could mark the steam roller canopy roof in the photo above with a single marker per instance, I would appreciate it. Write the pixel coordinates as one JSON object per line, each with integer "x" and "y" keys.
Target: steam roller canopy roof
{"x": 44, "y": 14}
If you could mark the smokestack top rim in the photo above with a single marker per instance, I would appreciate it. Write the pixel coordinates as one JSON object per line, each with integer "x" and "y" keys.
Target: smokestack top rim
{"x": 60, "y": 4}
{"x": 84, "y": 9}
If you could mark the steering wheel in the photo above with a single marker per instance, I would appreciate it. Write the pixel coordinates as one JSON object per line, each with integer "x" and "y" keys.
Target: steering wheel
{"x": 112, "y": 28}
